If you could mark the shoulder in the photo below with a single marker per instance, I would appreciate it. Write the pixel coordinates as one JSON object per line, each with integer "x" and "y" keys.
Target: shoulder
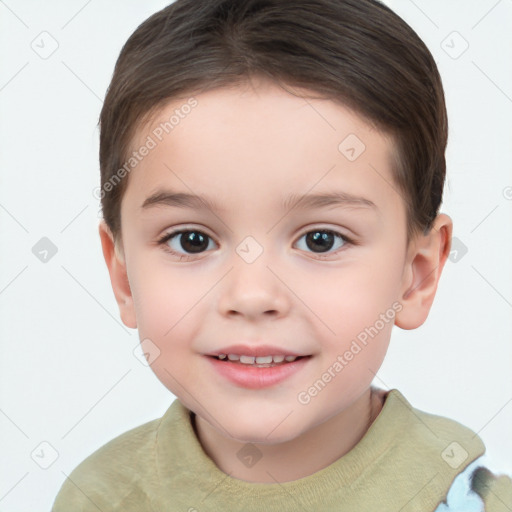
{"x": 457, "y": 455}
{"x": 110, "y": 478}
{"x": 447, "y": 442}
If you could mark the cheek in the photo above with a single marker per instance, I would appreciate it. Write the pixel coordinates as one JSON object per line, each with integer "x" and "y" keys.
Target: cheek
{"x": 355, "y": 298}
{"x": 166, "y": 311}
{"x": 357, "y": 312}
{"x": 161, "y": 301}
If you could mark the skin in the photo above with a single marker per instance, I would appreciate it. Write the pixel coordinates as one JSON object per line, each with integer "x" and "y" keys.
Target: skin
{"x": 247, "y": 147}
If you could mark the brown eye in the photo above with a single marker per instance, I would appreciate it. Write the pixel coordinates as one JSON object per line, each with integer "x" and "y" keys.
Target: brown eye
{"x": 193, "y": 241}
{"x": 321, "y": 241}
{"x": 185, "y": 242}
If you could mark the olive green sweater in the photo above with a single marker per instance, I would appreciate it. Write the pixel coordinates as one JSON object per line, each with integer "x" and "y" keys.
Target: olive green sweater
{"x": 406, "y": 461}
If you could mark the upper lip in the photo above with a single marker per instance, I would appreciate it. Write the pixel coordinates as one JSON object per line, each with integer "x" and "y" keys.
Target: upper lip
{"x": 255, "y": 351}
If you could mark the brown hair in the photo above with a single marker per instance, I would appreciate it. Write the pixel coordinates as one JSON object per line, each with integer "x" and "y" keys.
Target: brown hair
{"x": 357, "y": 52}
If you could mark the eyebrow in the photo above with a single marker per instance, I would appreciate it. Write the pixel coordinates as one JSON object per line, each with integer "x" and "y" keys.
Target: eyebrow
{"x": 306, "y": 201}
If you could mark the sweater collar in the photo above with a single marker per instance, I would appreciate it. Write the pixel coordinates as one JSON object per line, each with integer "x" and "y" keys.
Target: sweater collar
{"x": 407, "y": 458}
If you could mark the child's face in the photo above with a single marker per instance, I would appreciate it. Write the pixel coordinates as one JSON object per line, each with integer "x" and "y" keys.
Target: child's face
{"x": 248, "y": 152}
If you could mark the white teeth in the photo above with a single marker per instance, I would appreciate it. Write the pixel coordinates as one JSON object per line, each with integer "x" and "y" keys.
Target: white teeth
{"x": 263, "y": 359}
{"x": 257, "y": 360}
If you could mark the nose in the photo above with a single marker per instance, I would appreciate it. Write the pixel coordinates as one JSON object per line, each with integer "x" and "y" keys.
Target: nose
{"x": 254, "y": 291}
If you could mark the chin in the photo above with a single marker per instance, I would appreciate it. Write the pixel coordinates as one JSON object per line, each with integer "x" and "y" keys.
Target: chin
{"x": 258, "y": 430}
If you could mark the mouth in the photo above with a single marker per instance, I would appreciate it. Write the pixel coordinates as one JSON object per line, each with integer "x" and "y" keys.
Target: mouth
{"x": 258, "y": 372}
{"x": 258, "y": 361}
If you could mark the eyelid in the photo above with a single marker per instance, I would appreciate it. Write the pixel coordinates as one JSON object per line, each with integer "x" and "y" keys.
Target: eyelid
{"x": 317, "y": 227}
{"x": 170, "y": 232}
{"x": 347, "y": 241}
{"x": 173, "y": 232}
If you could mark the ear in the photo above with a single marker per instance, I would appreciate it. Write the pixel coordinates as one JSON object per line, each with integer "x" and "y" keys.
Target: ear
{"x": 114, "y": 258}
{"x": 426, "y": 257}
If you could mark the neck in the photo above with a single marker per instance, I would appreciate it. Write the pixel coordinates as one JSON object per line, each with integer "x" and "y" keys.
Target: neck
{"x": 300, "y": 457}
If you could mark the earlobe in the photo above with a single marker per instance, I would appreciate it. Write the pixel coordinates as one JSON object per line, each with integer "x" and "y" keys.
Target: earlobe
{"x": 118, "y": 276}
{"x": 425, "y": 262}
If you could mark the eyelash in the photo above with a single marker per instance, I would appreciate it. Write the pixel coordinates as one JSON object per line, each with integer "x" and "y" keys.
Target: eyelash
{"x": 188, "y": 257}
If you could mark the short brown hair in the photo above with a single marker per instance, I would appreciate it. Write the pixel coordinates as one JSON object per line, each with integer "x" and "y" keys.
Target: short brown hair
{"x": 357, "y": 52}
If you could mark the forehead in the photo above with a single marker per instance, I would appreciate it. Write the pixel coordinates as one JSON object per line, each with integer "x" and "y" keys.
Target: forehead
{"x": 261, "y": 142}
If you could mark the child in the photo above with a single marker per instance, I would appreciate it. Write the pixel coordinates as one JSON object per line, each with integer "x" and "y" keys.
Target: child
{"x": 271, "y": 177}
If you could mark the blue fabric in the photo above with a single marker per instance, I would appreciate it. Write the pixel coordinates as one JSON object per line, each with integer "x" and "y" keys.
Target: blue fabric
{"x": 460, "y": 497}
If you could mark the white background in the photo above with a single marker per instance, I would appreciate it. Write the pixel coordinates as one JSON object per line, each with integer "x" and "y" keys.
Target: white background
{"x": 68, "y": 373}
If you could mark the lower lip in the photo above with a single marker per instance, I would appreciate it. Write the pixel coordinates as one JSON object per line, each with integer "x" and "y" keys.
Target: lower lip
{"x": 254, "y": 377}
